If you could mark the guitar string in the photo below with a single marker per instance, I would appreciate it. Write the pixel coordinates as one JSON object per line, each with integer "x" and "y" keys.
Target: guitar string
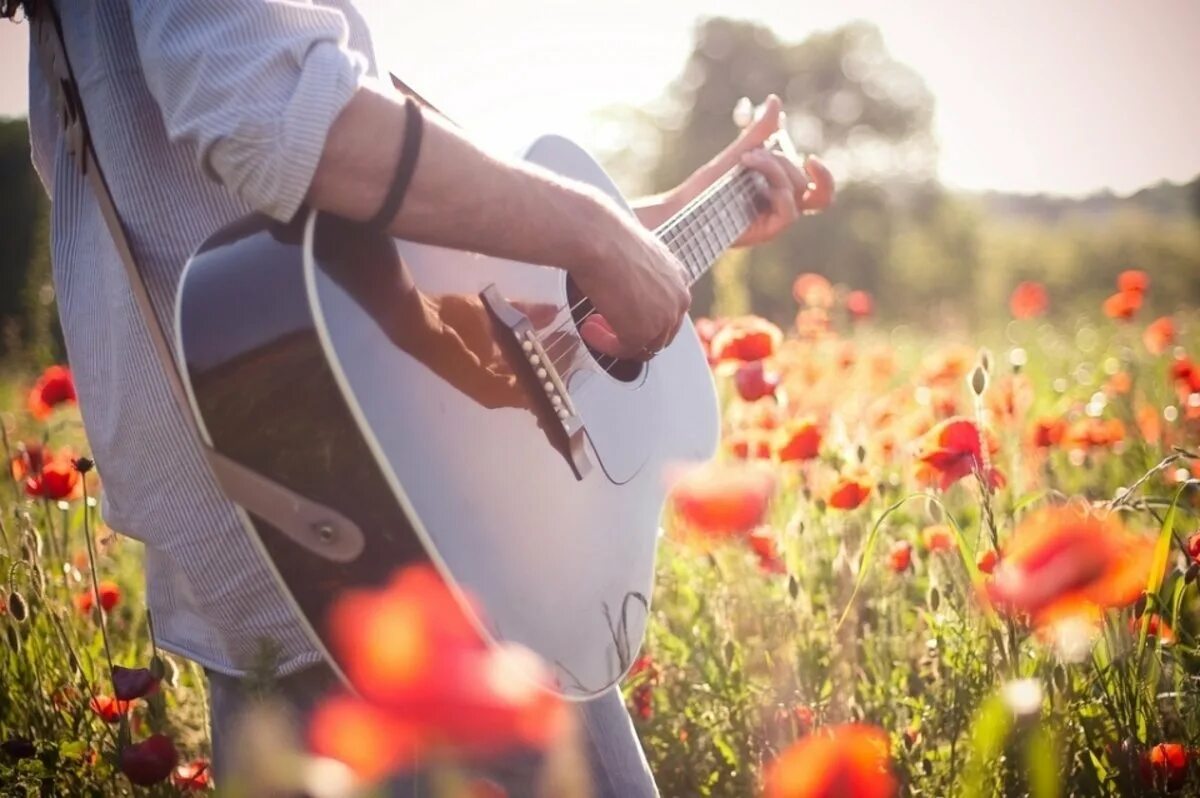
{"x": 680, "y": 231}
{"x": 692, "y": 246}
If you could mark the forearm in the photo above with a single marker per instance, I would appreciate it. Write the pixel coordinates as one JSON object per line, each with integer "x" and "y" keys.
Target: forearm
{"x": 459, "y": 196}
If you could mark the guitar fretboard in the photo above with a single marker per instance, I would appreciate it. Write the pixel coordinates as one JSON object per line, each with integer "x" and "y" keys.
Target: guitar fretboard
{"x": 709, "y": 224}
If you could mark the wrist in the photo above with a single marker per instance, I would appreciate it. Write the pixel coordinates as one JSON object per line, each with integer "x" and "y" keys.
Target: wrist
{"x": 597, "y": 224}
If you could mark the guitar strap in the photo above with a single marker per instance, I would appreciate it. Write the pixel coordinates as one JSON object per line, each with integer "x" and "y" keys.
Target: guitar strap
{"x": 318, "y": 528}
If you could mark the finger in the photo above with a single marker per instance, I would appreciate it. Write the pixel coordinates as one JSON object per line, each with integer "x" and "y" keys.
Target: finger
{"x": 781, "y": 190}
{"x": 751, "y": 137}
{"x": 598, "y": 334}
{"x": 819, "y": 194}
{"x": 797, "y": 178}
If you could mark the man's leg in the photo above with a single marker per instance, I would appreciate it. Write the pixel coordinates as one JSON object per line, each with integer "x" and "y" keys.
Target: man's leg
{"x": 619, "y": 767}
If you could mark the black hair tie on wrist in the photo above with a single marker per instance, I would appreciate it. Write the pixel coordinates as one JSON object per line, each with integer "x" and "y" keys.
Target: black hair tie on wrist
{"x": 413, "y": 127}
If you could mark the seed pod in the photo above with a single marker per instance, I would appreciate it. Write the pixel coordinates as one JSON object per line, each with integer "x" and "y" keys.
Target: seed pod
{"x": 1059, "y": 677}
{"x": 14, "y": 639}
{"x": 793, "y": 586}
{"x": 935, "y": 599}
{"x": 17, "y": 607}
{"x": 979, "y": 380}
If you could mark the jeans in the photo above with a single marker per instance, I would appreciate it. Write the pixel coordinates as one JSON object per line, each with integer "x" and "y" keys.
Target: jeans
{"x": 618, "y": 765}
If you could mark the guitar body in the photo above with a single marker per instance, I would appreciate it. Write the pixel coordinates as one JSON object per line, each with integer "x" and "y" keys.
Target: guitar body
{"x": 395, "y": 384}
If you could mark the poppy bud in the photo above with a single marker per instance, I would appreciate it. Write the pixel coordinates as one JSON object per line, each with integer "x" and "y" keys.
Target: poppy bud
{"x": 17, "y": 607}
{"x": 935, "y": 599}
{"x": 979, "y": 380}
{"x": 14, "y": 639}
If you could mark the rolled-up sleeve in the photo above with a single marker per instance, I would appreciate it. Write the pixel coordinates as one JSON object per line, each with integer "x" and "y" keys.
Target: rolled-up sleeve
{"x": 252, "y": 85}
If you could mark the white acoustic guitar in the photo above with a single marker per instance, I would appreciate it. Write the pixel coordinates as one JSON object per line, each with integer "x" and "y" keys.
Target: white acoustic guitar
{"x": 405, "y": 403}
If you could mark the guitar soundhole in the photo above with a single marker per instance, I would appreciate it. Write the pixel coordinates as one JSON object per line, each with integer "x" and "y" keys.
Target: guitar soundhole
{"x": 581, "y": 308}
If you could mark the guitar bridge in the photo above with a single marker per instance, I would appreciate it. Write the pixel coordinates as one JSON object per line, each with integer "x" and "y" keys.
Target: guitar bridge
{"x": 542, "y": 370}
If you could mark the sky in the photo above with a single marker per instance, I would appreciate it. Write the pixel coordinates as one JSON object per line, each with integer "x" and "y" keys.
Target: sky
{"x": 1058, "y": 96}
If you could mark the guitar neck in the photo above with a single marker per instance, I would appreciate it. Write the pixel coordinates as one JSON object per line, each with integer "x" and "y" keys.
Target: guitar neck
{"x": 699, "y": 233}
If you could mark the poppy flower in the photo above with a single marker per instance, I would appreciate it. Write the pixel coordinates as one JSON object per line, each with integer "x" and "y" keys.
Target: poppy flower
{"x": 424, "y": 672}
{"x": 762, "y": 543}
{"x": 109, "y": 709}
{"x": 839, "y": 761}
{"x": 860, "y": 304}
{"x": 1165, "y": 766}
{"x": 1193, "y": 546}
{"x": 813, "y": 290}
{"x": 1159, "y": 335}
{"x": 1156, "y": 627}
{"x": 27, "y": 461}
{"x": 1094, "y": 433}
{"x": 110, "y": 596}
{"x": 1123, "y": 305}
{"x": 849, "y": 493}
{"x": 986, "y": 561}
{"x": 1133, "y": 281}
{"x": 644, "y": 677}
{"x": 1009, "y": 398}
{"x": 1048, "y": 432}
{"x": 749, "y": 445}
{"x": 55, "y": 387}
{"x": 131, "y": 683}
{"x": 192, "y": 776}
{"x": 368, "y": 739}
{"x": 1028, "y": 300}
{"x": 812, "y": 324}
{"x": 754, "y": 382}
{"x": 1063, "y": 561}
{"x": 938, "y": 537}
{"x": 150, "y": 761}
{"x": 1186, "y": 375}
{"x": 723, "y": 499}
{"x": 953, "y": 449}
{"x": 58, "y": 479}
{"x": 745, "y": 338}
{"x": 900, "y": 556}
{"x": 799, "y": 440}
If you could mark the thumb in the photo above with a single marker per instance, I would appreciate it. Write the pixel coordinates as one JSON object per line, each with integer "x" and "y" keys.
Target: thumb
{"x": 766, "y": 122}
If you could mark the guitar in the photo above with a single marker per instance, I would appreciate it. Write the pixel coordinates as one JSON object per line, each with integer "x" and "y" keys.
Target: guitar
{"x": 399, "y": 403}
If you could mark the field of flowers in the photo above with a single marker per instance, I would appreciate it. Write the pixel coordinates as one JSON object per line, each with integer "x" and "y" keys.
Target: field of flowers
{"x": 919, "y": 567}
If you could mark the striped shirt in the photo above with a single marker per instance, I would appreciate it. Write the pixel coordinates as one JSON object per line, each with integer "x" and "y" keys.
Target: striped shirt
{"x": 200, "y": 112}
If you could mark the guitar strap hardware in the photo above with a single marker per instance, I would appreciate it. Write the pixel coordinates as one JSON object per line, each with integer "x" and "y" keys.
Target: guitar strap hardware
{"x": 317, "y": 528}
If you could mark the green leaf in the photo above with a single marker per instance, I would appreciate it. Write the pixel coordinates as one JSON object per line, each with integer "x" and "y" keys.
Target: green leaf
{"x": 988, "y": 734}
{"x": 1042, "y": 764}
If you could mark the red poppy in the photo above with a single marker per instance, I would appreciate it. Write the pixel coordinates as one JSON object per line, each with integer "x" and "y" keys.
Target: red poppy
{"x": 1028, "y": 300}
{"x": 849, "y": 493}
{"x": 1009, "y": 398}
{"x": 938, "y": 537}
{"x": 1133, "y": 281}
{"x": 1159, "y": 335}
{"x": 27, "y": 461}
{"x": 419, "y": 663}
{"x": 1193, "y": 546}
{"x": 1186, "y": 374}
{"x": 1094, "y": 433}
{"x": 762, "y": 543}
{"x": 723, "y": 499}
{"x": 1156, "y": 627}
{"x": 953, "y": 449}
{"x": 900, "y": 556}
{"x": 58, "y": 478}
{"x": 1048, "y": 432}
{"x": 1123, "y": 305}
{"x": 150, "y": 761}
{"x": 860, "y": 304}
{"x": 644, "y": 677}
{"x": 192, "y": 776}
{"x": 131, "y": 683}
{"x": 1065, "y": 561}
{"x": 1165, "y": 766}
{"x": 813, "y": 290}
{"x": 986, "y": 562}
{"x": 754, "y": 382}
{"x": 110, "y": 596}
{"x": 837, "y": 762}
{"x": 745, "y": 338}
{"x": 53, "y": 388}
{"x": 806, "y": 719}
{"x": 1119, "y": 384}
{"x": 369, "y": 740}
{"x": 109, "y": 709}
{"x": 799, "y": 440}
{"x": 749, "y": 445}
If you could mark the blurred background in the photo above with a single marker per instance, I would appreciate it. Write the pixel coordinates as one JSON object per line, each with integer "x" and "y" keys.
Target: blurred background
{"x": 976, "y": 144}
